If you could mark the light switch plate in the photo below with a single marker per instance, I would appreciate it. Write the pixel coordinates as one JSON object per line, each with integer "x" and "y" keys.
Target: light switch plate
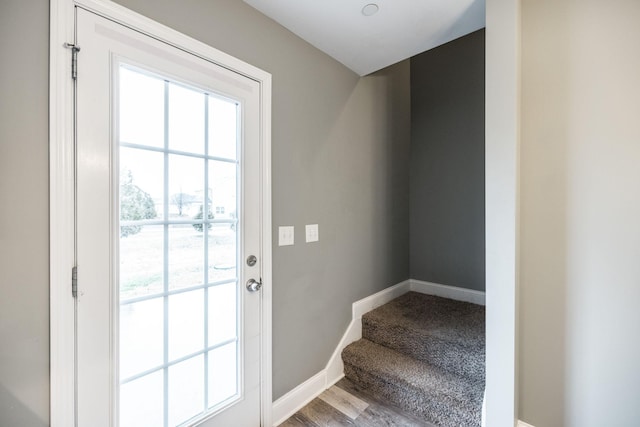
{"x": 312, "y": 233}
{"x": 285, "y": 236}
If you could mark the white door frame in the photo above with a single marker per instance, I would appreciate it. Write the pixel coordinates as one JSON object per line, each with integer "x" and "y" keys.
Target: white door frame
{"x": 62, "y": 192}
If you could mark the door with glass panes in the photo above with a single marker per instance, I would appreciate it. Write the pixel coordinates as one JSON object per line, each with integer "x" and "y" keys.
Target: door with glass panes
{"x": 168, "y": 216}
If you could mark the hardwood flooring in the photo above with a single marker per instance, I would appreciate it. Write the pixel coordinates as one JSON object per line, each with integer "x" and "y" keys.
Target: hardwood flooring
{"x": 347, "y": 404}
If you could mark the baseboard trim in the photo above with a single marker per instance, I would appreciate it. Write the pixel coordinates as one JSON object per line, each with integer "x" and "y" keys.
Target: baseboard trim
{"x": 367, "y": 304}
{"x": 294, "y": 400}
{"x": 523, "y": 424}
{"x": 291, "y": 402}
{"x": 445, "y": 291}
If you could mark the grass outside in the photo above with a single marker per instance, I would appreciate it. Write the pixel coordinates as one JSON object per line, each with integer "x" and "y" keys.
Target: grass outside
{"x": 142, "y": 258}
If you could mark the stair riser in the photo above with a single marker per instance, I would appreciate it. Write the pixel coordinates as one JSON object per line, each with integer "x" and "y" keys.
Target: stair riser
{"x": 447, "y": 412}
{"x": 468, "y": 363}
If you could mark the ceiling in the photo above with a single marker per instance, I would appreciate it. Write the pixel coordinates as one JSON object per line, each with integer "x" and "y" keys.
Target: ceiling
{"x": 400, "y": 29}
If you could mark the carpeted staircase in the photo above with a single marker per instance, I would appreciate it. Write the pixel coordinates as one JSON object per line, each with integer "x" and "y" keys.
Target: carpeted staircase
{"x": 426, "y": 355}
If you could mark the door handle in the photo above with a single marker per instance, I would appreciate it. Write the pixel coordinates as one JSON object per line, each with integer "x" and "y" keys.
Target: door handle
{"x": 253, "y": 285}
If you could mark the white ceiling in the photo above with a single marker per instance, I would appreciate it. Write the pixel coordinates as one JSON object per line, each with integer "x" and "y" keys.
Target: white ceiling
{"x": 400, "y": 29}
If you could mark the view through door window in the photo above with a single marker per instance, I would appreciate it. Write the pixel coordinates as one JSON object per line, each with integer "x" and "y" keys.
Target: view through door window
{"x": 178, "y": 252}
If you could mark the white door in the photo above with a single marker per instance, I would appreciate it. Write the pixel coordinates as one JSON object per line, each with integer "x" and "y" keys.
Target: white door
{"x": 168, "y": 215}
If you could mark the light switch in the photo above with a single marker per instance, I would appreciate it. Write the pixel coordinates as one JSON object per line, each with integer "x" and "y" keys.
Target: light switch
{"x": 285, "y": 236}
{"x": 312, "y": 233}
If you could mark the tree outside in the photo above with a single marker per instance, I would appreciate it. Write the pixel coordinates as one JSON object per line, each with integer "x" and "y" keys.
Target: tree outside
{"x": 200, "y": 215}
{"x": 182, "y": 201}
{"x": 135, "y": 204}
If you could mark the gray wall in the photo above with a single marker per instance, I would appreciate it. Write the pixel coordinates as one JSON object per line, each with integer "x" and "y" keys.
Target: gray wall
{"x": 340, "y": 149}
{"x": 24, "y": 221}
{"x": 580, "y": 211}
{"x": 447, "y": 164}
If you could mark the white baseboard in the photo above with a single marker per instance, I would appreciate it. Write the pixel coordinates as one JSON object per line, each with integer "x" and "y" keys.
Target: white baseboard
{"x": 367, "y": 304}
{"x": 523, "y": 424}
{"x": 291, "y": 402}
{"x": 294, "y": 400}
{"x": 335, "y": 368}
{"x": 445, "y": 291}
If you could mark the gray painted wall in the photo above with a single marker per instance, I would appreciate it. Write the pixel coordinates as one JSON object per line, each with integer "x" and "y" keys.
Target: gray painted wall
{"x": 447, "y": 164}
{"x": 24, "y": 221}
{"x": 580, "y": 210}
{"x": 340, "y": 149}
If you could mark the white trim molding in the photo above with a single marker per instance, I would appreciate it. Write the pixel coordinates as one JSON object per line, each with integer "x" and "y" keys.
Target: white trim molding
{"x": 62, "y": 191}
{"x": 523, "y": 424}
{"x": 61, "y": 217}
{"x": 297, "y": 398}
{"x": 445, "y": 291}
{"x": 502, "y": 170}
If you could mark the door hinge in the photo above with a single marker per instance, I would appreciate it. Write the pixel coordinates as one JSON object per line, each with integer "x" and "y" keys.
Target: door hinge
{"x": 74, "y": 282}
{"x": 74, "y": 59}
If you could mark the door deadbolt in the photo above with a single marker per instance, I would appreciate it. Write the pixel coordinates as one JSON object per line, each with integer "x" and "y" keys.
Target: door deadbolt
{"x": 251, "y": 260}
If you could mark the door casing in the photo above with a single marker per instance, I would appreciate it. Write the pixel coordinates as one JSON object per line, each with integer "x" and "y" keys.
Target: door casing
{"x": 62, "y": 192}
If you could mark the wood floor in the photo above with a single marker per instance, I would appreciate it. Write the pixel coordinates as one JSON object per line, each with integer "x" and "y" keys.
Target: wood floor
{"x": 346, "y": 404}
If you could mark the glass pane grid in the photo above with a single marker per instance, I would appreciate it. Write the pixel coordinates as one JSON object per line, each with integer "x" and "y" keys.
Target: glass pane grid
{"x": 125, "y": 144}
{"x": 163, "y": 366}
{"x": 178, "y": 247}
{"x": 161, "y": 294}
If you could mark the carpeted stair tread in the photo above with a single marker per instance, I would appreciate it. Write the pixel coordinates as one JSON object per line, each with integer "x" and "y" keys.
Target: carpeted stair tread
{"x": 438, "y": 396}
{"x": 446, "y": 333}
